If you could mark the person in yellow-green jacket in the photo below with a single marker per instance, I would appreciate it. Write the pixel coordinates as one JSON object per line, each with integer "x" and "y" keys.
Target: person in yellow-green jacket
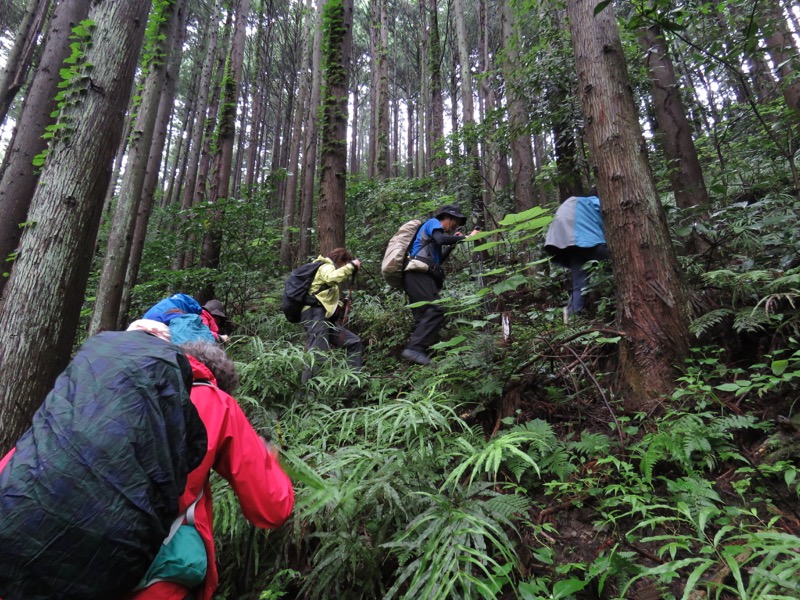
{"x": 322, "y": 317}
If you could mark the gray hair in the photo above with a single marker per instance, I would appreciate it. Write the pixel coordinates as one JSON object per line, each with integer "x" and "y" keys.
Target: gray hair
{"x": 217, "y": 362}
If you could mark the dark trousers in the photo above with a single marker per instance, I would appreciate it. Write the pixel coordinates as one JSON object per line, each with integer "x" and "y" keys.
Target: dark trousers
{"x": 428, "y": 319}
{"x": 322, "y": 334}
{"x": 574, "y": 259}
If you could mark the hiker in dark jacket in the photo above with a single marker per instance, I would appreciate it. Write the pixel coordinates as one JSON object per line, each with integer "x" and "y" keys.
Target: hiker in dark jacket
{"x": 424, "y": 277}
{"x": 89, "y": 492}
{"x": 320, "y": 317}
{"x": 237, "y": 453}
{"x": 575, "y": 237}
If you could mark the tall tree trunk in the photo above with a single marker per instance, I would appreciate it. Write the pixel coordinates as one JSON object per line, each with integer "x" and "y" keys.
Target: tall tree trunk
{"x": 41, "y": 308}
{"x": 155, "y": 157}
{"x": 212, "y": 241}
{"x": 337, "y": 43}
{"x": 290, "y": 197}
{"x": 261, "y": 77}
{"x": 652, "y": 303}
{"x": 354, "y": 130}
{"x": 382, "y": 128}
{"x": 20, "y": 175}
{"x": 423, "y": 122}
{"x": 435, "y": 148}
{"x": 521, "y": 149}
{"x": 374, "y": 84}
{"x": 310, "y": 143}
{"x": 15, "y": 70}
{"x": 783, "y": 53}
{"x": 201, "y": 184}
{"x": 673, "y": 130}
{"x": 118, "y": 248}
{"x": 473, "y": 187}
{"x": 410, "y": 143}
{"x": 201, "y": 104}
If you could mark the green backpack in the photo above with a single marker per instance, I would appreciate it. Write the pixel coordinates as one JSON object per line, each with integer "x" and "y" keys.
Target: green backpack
{"x": 182, "y": 558}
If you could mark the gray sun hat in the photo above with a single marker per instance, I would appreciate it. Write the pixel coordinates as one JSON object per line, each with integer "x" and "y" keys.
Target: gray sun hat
{"x": 216, "y": 308}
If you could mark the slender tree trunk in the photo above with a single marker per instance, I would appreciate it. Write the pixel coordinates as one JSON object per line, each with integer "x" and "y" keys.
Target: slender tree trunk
{"x": 355, "y": 130}
{"x": 15, "y": 70}
{"x": 41, "y": 308}
{"x": 674, "y": 132}
{"x": 435, "y": 148}
{"x": 20, "y": 175}
{"x": 410, "y": 116}
{"x": 290, "y": 198}
{"x": 783, "y": 53}
{"x": 212, "y": 241}
{"x": 201, "y": 104}
{"x": 264, "y": 39}
{"x": 422, "y": 124}
{"x": 374, "y": 84}
{"x": 473, "y": 188}
{"x": 337, "y": 43}
{"x": 652, "y": 304}
{"x": 310, "y": 143}
{"x": 521, "y": 149}
{"x": 155, "y": 156}
{"x": 201, "y": 184}
{"x": 118, "y": 248}
{"x": 382, "y": 131}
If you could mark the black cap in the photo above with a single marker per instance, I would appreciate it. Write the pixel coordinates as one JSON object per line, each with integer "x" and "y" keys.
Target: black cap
{"x": 215, "y": 308}
{"x": 453, "y": 211}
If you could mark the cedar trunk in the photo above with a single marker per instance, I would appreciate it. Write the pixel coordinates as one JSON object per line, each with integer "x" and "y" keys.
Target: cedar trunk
{"x": 118, "y": 248}
{"x": 223, "y": 160}
{"x": 521, "y": 149}
{"x": 337, "y": 43}
{"x": 15, "y": 70}
{"x": 673, "y": 130}
{"x": 19, "y": 177}
{"x": 40, "y": 312}
{"x": 652, "y": 304}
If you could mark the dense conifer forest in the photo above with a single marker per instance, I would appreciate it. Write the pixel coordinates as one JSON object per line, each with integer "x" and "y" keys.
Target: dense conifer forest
{"x": 644, "y": 448}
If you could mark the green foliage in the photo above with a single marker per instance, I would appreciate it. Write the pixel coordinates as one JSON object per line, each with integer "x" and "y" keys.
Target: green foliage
{"x": 75, "y": 80}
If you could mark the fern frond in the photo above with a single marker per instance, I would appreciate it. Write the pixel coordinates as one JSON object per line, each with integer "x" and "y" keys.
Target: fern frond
{"x": 705, "y": 322}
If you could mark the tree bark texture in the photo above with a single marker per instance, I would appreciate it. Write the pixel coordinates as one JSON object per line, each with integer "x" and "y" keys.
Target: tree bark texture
{"x": 652, "y": 304}
{"x": 19, "y": 177}
{"x": 521, "y": 149}
{"x": 673, "y": 129}
{"x": 382, "y": 127}
{"x": 120, "y": 237}
{"x": 293, "y": 175}
{"x": 15, "y": 70}
{"x": 212, "y": 242}
{"x": 435, "y": 150}
{"x": 39, "y": 315}
{"x": 473, "y": 192}
{"x": 155, "y": 157}
{"x": 337, "y": 43}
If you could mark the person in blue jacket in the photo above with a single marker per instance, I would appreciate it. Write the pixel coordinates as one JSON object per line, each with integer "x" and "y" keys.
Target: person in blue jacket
{"x": 423, "y": 277}
{"x": 575, "y": 237}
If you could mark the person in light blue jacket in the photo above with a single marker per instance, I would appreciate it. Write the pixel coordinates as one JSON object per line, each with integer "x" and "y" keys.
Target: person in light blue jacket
{"x": 575, "y": 237}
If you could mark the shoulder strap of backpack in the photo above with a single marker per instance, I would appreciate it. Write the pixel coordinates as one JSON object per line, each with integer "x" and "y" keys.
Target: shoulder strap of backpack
{"x": 188, "y": 514}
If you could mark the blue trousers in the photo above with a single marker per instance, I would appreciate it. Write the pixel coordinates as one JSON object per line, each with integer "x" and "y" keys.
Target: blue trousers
{"x": 574, "y": 259}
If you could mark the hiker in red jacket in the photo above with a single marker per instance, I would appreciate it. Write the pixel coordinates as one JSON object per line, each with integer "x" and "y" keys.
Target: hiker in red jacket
{"x": 238, "y": 454}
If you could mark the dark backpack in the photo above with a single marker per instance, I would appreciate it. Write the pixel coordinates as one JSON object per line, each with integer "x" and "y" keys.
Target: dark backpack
{"x": 295, "y": 291}
{"x": 89, "y": 495}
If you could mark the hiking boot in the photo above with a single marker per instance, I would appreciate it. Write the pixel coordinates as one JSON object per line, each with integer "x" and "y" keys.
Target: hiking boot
{"x": 416, "y": 356}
